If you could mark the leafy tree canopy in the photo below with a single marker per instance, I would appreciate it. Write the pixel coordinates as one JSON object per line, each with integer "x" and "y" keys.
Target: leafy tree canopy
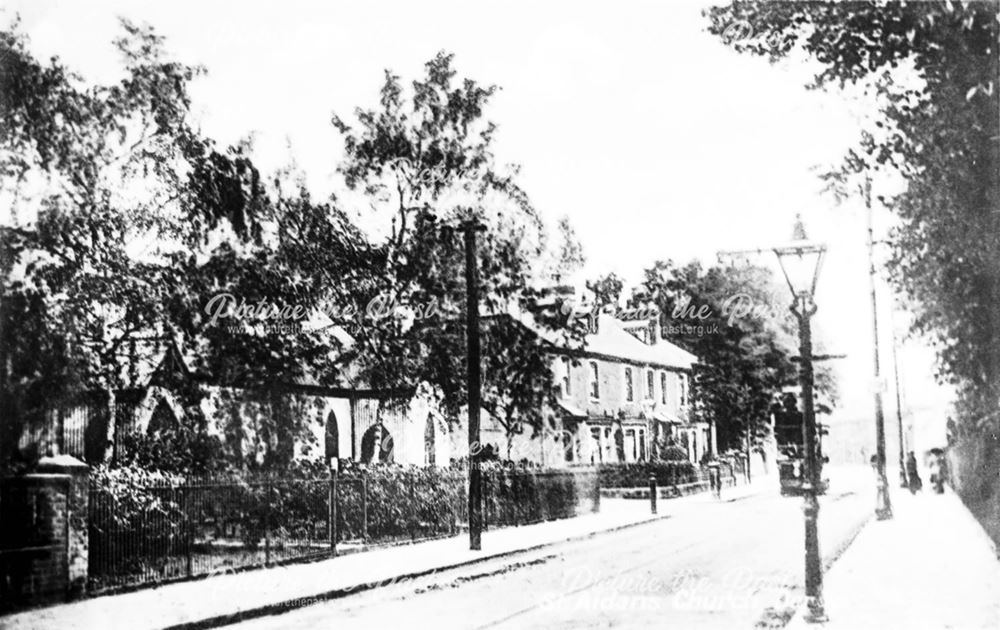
{"x": 933, "y": 68}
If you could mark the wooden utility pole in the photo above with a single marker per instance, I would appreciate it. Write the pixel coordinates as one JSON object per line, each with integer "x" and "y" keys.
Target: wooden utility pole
{"x": 883, "y": 505}
{"x": 903, "y": 480}
{"x": 470, "y": 229}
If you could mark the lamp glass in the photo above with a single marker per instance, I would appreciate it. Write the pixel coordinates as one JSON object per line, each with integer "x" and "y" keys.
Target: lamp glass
{"x": 800, "y": 266}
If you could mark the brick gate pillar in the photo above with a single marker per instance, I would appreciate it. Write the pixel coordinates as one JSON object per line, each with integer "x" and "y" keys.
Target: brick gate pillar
{"x": 76, "y": 518}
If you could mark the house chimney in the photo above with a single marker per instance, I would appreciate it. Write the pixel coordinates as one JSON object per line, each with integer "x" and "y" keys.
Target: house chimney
{"x": 592, "y": 322}
{"x": 654, "y": 329}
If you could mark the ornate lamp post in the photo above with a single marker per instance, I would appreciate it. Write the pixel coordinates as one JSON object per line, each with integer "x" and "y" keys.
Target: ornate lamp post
{"x": 800, "y": 263}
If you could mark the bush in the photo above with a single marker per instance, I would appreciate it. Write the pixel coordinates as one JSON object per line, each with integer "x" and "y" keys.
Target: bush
{"x": 674, "y": 453}
{"x": 391, "y": 502}
{"x": 134, "y": 520}
{"x": 180, "y": 451}
{"x": 516, "y": 496}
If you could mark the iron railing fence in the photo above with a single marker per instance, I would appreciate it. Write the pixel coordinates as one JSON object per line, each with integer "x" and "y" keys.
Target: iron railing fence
{"x": 168, "y": 529}
{"x": 381, "y": 506}
{"x": 162, "y": 531}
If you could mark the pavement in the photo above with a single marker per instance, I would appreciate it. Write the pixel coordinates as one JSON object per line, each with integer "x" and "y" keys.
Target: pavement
{"x": 932, "y": 566}
{"x": 225, "y": 599}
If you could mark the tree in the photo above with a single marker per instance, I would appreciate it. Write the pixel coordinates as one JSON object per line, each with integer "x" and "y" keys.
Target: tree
{"x": 729, "y": 318}
{"x": 569, "y": 256}
{"x": 91, "y": 174}
{"x": 423, "y": 161}
{"x": 125, "y": 224}
{"x": 934, "y": 69}
{"x": 607, "y": 290}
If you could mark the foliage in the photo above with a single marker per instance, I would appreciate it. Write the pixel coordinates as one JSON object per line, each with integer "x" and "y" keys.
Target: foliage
{"x": 125, "y": 484}
{"x": 518, "y": 496}
{"x": 92, "y": 173}
{"x": 519, "y": 386}
{"x": 178, "y": 451}
{"x": 729, "y": 319}
{"x": 423, "y": 159}
{"x": 672, "y": 453}
{"x": 636, "y": 474}
{"x": 607, "y": 290}
{"x": 135, "y": 511}
{"x": 569, "y": 256}
{"x": 126, "y": 222}
{"x": 933, "y": 69}
{"x": 399, "y": 502}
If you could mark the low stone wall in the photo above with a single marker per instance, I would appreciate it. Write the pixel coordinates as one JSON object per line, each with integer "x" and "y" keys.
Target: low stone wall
{"x": 43, "y": 534}
{"x": 664, "y": 492}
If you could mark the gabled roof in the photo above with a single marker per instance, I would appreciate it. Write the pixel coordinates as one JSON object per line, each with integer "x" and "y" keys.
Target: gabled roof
{"x": 613, "y": 341}
{"x": 171, "y": 367}
{"x": 151, "y": 360}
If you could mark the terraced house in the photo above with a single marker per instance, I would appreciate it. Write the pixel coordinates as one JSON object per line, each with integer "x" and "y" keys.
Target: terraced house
{"x": 626, "y": 395}
{"x": 622, "y": 396}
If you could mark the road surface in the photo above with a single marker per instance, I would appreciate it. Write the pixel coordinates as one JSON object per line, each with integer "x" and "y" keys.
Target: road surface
{"x": 711, "y": 564}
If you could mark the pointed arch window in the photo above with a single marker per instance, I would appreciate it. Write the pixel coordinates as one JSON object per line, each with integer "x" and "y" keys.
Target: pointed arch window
{"x": 376, "y": 445}
{"x": 429, "y": 455}
{"x": 332, "y": 441}
{"x": 162, "y": 419}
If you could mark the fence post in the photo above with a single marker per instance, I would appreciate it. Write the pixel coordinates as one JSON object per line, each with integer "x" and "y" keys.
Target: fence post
{"x": 332, "y": 516}
{"x": 364, "y": 507}
{"x": 597, "y": 492}
{"x": 454, "y": 512}
{"x": 413, "y": 507}
{"x": 652, "y": 494}
{"x": 189, "y": 527}
{"x": 267, "y": 521}
{"x": 485, "y": 497}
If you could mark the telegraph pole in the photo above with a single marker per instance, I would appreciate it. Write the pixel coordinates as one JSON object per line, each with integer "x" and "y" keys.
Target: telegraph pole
{"x": 899, "y": 416}
{"x": 883, "y": 506}
{"x": 470, "y": 229}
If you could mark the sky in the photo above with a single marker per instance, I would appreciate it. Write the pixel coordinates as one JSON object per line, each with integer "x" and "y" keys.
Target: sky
{"x": 657, "y": 140}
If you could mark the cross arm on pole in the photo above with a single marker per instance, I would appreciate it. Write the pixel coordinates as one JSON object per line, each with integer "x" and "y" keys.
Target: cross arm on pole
{"x": 821, "y": 357}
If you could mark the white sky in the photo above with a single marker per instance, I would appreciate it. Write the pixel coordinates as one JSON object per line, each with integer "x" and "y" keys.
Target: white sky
{"x": 656, "y": 139}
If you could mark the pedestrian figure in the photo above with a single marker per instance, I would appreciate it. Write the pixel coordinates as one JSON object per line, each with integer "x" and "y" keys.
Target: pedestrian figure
{"x": 912, "y": 475}
{"x": 938, "y": 470}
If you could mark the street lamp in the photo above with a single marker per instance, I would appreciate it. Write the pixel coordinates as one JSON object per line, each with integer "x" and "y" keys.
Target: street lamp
{"x": 800, "y": 262}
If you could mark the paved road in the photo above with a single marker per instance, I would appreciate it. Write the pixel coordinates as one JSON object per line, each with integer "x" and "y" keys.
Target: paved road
{"x": 711, "y": 565}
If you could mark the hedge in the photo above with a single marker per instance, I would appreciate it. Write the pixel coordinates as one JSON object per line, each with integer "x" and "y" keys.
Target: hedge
{"x": 636, "y": 474}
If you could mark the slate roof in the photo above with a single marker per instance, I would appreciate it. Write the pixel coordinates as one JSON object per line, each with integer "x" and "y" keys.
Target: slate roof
{"x": 613, "y": 341}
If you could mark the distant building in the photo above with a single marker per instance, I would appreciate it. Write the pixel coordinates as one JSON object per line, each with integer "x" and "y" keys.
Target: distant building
{"x": 363, "y": 425}
{"x": 623, "y": 396}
